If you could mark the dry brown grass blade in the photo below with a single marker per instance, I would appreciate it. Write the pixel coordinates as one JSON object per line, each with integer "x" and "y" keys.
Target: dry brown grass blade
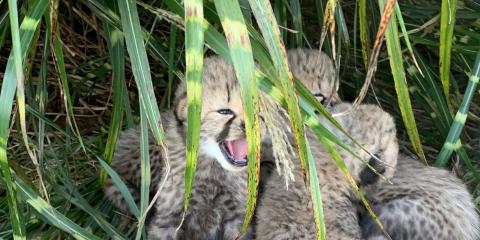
{"x": 329, "y": 23}
{"x": 372, "y": 65}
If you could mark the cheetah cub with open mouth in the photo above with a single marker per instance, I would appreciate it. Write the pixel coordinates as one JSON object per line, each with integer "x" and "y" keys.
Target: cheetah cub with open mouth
{"x": 422, "y": 202}
{"x": 217, "y": 205}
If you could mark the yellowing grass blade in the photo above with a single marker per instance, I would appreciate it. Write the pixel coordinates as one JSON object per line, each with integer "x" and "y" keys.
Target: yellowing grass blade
{"x": 264, "y": 14}
{"x": 447, "y": 23}
{"x": 194, "y": 71}
{"x": 398, "y": 72}
{"x": 329, "y": 25}
{"x": 242, "y": 58}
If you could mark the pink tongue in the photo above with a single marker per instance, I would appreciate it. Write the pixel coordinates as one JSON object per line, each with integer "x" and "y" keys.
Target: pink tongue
{"x": 238, "y": 148}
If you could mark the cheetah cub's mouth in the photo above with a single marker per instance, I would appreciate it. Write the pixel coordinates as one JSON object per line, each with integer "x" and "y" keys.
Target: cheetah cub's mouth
{"x": 235, "y": 151}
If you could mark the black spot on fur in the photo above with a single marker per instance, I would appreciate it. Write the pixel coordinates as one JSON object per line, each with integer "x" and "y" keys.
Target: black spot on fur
{"x": 228, "y": 92}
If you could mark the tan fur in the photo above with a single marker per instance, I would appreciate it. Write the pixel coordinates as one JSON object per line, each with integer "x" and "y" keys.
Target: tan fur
{"x": 422, "y": 203}
{"x": 217, "y": 205}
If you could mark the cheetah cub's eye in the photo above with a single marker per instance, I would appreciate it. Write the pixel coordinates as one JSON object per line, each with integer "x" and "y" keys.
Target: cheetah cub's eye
{"x": 320, "y": 97}
{"x": 225, "y": 111}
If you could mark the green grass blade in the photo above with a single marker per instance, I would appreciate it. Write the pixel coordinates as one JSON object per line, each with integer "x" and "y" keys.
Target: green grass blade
{"x": 342, "y": 28}
{"x": 49, "y": 213}
{"x": 297, "y": 21}
{"x": 314, "y": 186}
{"x": 140, "y": 65}
{"x": 428, "y": 84}
{"x": 194, "y": 39}
{"x": 171, "y": 55}
{"x": 398, "y": 14}
{"x": 16, "y": 216}
{"x": 281, "y": 16}
{"x": 242, "y": 58}
{"x": 27, "y": 31}
{"x": 122, "y": 187}
{"x": 398, "y": 72}
{"x": 144, "y": 168}
{"x": 447, "y": 24}
{"x": 149, "y": 112}
{"x": 329, "y": 26}
{"x": 116, "y": 50}
{"x": 453, "y": 142}
{"x": 42, "y": 97}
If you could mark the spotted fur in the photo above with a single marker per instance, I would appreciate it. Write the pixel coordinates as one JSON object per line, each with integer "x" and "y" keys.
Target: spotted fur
{"x": 422, "y": 203}
{"x": 217, "y": 205}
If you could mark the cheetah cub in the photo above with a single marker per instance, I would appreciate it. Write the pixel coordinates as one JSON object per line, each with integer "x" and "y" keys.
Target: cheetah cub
{"x": 287, "y": 214}
{"x": 316, "y": 71}
{"x": 422, "y": 203}
{"x": 217, "y": 205}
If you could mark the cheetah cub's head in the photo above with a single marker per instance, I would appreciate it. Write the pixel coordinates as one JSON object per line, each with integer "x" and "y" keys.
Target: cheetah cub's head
{"x": 316, "y": 71}
{"x": 372, "y": 128}
{"x": 222, "y": 134}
